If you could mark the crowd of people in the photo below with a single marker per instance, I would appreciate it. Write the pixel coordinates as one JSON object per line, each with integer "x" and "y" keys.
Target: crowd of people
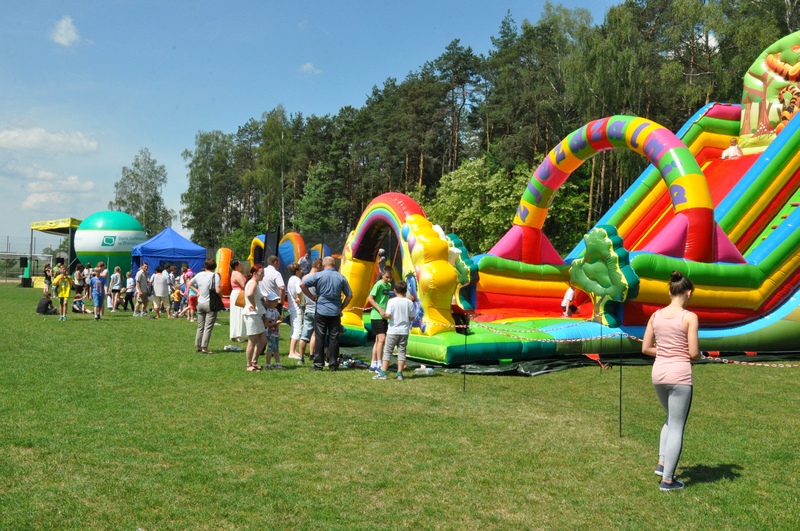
{"x": 314, "y": 296}
{"x": 147, "y": 295}
{"x": 86, "y": 282}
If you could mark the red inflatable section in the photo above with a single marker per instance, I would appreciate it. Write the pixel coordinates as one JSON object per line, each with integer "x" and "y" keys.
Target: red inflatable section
{"x": 699, "y": 239}
{"x": 637, "y": 314}
{"x": 528, "y": 245}
{"x": 503, "y": 303}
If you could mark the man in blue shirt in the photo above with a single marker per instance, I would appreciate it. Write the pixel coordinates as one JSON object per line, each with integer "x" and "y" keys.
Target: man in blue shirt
{"x": 330, "y": 286}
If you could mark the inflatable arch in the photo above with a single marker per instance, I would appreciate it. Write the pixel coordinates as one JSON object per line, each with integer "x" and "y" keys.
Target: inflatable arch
{"x": 524, "y": 273}
{"x": 290, "y": 249}
{"x": 427, "y": 263}
{"x": 694, "y": 234}
{"x": 258, "y": 250}
{"x": 319, "y": 250}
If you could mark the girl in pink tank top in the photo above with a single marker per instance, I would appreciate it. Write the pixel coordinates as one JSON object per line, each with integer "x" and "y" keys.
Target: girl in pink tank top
{"x": 672, "y": 365}
{"x": 672, "y": 338}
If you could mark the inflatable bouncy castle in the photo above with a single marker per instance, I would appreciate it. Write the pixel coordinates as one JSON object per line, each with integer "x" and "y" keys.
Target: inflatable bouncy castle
{"x": 730, "y": 224}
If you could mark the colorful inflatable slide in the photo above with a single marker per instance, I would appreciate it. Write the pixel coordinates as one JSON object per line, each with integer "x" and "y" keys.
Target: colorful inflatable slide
{"x": 731, "y": 225}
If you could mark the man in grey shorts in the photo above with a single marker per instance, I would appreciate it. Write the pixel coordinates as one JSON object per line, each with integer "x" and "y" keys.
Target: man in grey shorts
{"x": 142, "y": 292}
{"x": 310, "y": 309}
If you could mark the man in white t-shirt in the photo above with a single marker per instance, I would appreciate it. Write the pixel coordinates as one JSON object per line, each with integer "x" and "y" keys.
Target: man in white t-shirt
{"x": 160, "y": 284}
{"x": 273, "y": 281}
{"x": 400, "y": 312}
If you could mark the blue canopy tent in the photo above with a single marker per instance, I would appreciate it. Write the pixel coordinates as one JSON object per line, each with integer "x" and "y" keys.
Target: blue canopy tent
{"x": 167, "y": 248}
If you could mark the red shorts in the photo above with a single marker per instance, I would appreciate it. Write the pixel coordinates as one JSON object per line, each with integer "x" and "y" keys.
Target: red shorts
{"x": 192, "y": 300}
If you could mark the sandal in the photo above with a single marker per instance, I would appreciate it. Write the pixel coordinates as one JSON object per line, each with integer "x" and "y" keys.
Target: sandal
{"x": 206, "y": 351}
{"x": 253, "y": 368}
{"x": 279, "y": 367}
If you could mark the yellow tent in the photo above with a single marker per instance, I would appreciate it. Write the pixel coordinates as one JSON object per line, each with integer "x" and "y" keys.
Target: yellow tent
{"x": 59, "y": 227}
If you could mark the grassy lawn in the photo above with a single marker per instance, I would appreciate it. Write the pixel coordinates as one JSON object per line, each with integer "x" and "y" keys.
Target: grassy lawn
{"x": 119, "y": 424}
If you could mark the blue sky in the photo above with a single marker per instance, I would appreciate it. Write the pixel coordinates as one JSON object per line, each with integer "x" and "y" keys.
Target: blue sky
{"x": 84, "y": 85}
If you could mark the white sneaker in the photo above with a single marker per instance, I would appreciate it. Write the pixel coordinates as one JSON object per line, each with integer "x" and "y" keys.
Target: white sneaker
{"x": 294, "y": 356}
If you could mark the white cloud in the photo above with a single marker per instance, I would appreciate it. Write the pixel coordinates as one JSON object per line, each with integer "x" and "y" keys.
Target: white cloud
{"x": 309, "y": 68}
{"x": 49, "y": 182}
{"x": 67, "y": 191}
{"x": 47, "y": 189}
{"x": 37, "y": 173}
{"x": 37, "y": 139}
{"x": 33, "y": 201}
{"x": 65, "y": 33}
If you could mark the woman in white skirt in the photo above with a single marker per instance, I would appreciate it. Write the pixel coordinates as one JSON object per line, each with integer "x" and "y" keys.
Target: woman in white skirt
{"x": 238, "y": 280}
{"x": 254, "y": 313}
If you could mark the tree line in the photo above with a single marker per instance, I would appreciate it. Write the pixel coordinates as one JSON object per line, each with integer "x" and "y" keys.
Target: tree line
{"x": 463, "y": 133}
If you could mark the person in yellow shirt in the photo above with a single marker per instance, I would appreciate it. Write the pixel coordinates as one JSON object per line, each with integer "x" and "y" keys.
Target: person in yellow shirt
{"x": 176, "y": 300}
{"x": 63, "y": 285}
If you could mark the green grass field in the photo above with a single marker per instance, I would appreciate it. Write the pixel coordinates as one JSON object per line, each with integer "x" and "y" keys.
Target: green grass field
{"x": 119, "y": 424}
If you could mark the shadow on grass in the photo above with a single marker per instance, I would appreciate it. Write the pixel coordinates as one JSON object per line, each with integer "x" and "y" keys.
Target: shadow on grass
{"x": 710, "y": 474}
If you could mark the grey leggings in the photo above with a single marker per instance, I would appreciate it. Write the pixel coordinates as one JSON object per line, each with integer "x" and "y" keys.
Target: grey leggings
{"x": 676, "y": 400}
